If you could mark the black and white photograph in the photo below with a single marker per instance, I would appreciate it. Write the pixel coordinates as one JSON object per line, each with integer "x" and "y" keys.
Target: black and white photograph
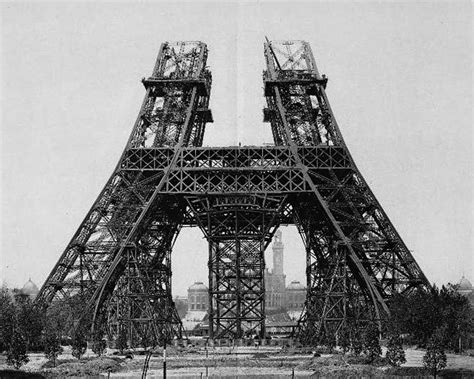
{"x": 236, "y": 189}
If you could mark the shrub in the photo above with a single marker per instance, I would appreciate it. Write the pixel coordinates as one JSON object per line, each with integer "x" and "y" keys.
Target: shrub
{"x": 419, "y": 313}
{"x": 357, "y": 344}
{"x": 330, "y": 341}
{"x": 345, "y": 339}
{"x": 29, "y": 321}
{"x": 372, "y": 343}
{"x": 395, "y": 353}
{"x": 99, "y": 346}
{"x": 78, "y": 344}
{"x": 356, "y": 340}
{"x": 7, "y": 319}
{"x": 435, "y": 357}
{"x": 121, "y": 342}
{"x": 52, "y": 346}
{"x": 16, "y": 355}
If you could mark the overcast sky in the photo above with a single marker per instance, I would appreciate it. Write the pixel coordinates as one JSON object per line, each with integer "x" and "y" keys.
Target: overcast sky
{"x": 400, "y": 85}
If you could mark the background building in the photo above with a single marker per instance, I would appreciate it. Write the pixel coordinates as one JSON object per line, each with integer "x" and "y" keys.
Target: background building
{"x": 277, "y": 294}
{"x": 195, "y": 321}
{"x": 283, "y": 303}
{"x": 28, "y": 291}
{"x": 198, "y": 297}
{"x": 181, "y": 303}
{"x": 295, "y": 296}
{"x": 466, "y": 289}
{"x": 275, "y": 279}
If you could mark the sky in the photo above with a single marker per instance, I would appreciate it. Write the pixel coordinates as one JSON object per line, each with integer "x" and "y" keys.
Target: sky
{"x": 400, "y": 85}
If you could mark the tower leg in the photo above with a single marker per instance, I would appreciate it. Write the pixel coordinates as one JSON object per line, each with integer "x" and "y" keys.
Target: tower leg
{"x": 335, "y": 295}
{"x": 142, "y": 303}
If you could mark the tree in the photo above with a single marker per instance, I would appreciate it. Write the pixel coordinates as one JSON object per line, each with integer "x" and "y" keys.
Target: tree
{"x": 344, "y": 338}
{"x": 456, "y": 313}
{"x": 395, "y": 353}
{"x": 30, "y": 323}
{"x": 422, "y": 311}
{"x": 181, "y": 307}
{"x": 372, "y": 342}
{"x": 16, "y": 355}
{"x": 7, "y": 319}
{"x": 78, "y": 343}
{"x": 63, "y": 316}
{"x": 330, "y": 340}
{"x": 146, "y": 341}
{"x": 435, "y": 357}
{"x": 58, "y": 315}
{"x": 52, "y": 346}
{"x": 357, "y": 343}
{"x": 121, "y": 342}
{"x": 99, "y": 346}
{"x": 416, "y": 314}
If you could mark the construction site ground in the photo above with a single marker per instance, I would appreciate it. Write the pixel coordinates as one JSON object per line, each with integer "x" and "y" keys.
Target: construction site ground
{"x": 234, "y": 362}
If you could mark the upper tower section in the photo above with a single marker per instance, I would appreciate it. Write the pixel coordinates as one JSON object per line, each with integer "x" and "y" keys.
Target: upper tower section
{"x": 290, "y": 60}
{"x": 181, "y": 60}
{"x": 297, "y": 107}
{"x": 175, "y": 110}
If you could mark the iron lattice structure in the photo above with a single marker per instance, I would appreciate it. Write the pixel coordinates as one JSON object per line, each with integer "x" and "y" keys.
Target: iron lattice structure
{"x": 118, "y": 262}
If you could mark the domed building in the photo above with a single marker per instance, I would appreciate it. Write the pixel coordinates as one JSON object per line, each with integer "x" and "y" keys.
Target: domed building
{"x": 465, "y": 287}
{"x": 198, "y": 297}
{"x": 195, "y": 321}
{"x": 29, "y": 291}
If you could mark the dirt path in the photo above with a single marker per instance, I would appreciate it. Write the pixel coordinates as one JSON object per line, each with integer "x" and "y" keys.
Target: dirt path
{"x": 231, "y": 372}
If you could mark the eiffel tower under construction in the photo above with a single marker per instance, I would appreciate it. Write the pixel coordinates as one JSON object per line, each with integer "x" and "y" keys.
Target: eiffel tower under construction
{"x": 119, "y": 260}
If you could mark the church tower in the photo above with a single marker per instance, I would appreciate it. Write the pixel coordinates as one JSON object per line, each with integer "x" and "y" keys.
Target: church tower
{"x": 275, "y": 279}
{"x": 277, "y": 248}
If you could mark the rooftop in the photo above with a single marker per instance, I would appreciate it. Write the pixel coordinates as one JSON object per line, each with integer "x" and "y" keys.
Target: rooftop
{"x": 295, "y": 285}
{"x": 30, "y": 288}
{"x": 465, "y": 285}
{"x": 198, "y": 286}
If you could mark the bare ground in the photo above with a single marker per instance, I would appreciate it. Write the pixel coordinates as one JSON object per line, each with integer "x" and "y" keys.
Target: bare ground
{"x": 225, "y": 362}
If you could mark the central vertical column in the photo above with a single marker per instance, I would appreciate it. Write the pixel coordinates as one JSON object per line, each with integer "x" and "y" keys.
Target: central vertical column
{"x": 236, "y": 286}
{"x": 238, "y": 229}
